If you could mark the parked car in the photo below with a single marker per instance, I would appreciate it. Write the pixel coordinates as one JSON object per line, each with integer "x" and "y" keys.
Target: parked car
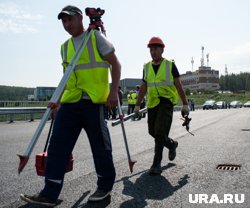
{"x": 209, "y": 104}
{"x": 221, "y": 104}
{"x": 236, "y": 104}
{"x": 247, "y": 104}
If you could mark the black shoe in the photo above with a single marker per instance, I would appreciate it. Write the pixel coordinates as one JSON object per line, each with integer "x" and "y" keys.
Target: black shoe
{"x": 172, "y": 151}
{"x": 155, "y": 170}
{"x": 99, "y": 195}
{"x": 37, "y": 199}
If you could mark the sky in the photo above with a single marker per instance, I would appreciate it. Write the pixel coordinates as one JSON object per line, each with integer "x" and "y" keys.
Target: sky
{"x": 31, "y": 36}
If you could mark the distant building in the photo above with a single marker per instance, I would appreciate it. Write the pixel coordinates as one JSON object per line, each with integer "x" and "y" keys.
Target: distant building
{"x": 129, "y": 84}
{"x": 31, "y": 97}
{"x": 202, "y": 79}
{"x": 43, "y": 93}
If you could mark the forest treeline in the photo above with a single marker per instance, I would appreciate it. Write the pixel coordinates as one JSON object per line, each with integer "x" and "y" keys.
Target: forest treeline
{"x": 235, "y": 82}
{"x": 15, "y": 93}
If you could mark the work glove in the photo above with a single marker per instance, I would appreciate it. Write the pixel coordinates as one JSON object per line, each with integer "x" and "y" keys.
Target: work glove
{"x": 136, "y": 112}
{"x": 184, "y": 111}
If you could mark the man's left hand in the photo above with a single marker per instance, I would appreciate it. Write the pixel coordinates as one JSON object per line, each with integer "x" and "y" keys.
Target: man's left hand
{"x": 112, "y": 100}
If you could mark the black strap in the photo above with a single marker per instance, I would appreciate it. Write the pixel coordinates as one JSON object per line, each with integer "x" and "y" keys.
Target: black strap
{"x": 48, "y": 138}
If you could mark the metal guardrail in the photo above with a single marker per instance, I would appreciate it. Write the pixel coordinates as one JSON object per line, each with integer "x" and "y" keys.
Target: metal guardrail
{"x": 22, "y": 110}
{"x": 22, "y": 103}
{"x": 11, "y": 111}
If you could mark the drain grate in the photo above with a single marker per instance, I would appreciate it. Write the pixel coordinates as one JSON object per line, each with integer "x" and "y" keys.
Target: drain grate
{"x": 245, "y": 129}
{"x": 228, "y": 167}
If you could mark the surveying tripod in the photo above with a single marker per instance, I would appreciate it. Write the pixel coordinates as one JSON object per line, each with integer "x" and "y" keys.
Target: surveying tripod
{"x": 95, "y": 23}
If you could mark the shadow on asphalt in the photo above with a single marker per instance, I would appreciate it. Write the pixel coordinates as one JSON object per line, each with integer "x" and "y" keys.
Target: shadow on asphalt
{"x": 145, "y": 187}
{"x": 149, "y": 187}
{"x": 101, "y": 204}
{"x": 28, "y": 205}
{"x": 78, "y": 202}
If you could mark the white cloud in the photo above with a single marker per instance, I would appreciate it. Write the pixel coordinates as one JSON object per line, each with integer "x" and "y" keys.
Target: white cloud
{"x": 16, "y": 27}
{"x": 236, "y": 59}
{"x": 243, "y": 49}
{"x": 13, "y": 18}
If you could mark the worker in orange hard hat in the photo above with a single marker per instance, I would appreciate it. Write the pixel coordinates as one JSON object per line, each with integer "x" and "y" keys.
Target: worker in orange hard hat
{"x": 156, "y": 41}
{"x": 161, "y": 83}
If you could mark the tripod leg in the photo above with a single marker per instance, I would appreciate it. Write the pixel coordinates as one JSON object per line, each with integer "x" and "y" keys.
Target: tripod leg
{"x": 130, "y": 162}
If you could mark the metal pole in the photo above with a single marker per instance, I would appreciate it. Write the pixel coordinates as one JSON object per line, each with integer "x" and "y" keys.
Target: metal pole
{"x": 130, "y": 162}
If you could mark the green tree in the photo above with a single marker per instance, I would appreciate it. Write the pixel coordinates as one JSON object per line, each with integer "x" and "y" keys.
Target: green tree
{"x": 187, "y": 91}
{"x": 222, "y": 82}
{"x": 235, "y": 82}
{"x": 247, "y": 82}
{"x": 15, "y": 93}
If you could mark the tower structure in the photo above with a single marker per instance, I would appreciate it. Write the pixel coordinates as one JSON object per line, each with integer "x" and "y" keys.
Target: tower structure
{"x": 207, "y": 59}
{"x": 192, "y": 62}
{"x": 226, "y": 72}
{"x": 202, "y": 55}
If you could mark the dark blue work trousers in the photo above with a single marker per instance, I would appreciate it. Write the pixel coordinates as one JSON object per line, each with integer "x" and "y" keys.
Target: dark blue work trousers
{"x": 69, "y": 121}
{"x": 159, "y": 122}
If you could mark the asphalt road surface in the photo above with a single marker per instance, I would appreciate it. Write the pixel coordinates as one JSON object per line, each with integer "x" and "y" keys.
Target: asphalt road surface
{"x": 191, "y": 180}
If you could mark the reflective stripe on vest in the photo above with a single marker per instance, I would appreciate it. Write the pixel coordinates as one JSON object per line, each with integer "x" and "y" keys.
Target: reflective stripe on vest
{"x": 93, "y": 63}
{"x": 160, "y": 84}
{"x": 168, "y": 82}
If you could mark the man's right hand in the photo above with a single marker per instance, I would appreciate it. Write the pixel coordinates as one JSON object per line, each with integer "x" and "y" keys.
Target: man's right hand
{"x": 54, "y": 107}
{"x": 185, "y": 110}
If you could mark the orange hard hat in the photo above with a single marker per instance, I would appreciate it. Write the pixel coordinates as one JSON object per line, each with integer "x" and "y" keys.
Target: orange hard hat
{"x": 155, "y": 41}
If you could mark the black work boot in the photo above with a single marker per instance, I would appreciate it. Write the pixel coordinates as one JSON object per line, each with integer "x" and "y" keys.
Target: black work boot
{"x": 156, "y": 166}
{"x": 172, "y": 151}
{"x": 38, "y": 199}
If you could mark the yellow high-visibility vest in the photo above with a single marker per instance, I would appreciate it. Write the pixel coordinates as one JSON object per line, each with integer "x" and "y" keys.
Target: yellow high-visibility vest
{"x": 129, "y": 98}
{"x": 160, "y": 84}
{"x": 89, "y": 76}
{"x": 133, "y": 98}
